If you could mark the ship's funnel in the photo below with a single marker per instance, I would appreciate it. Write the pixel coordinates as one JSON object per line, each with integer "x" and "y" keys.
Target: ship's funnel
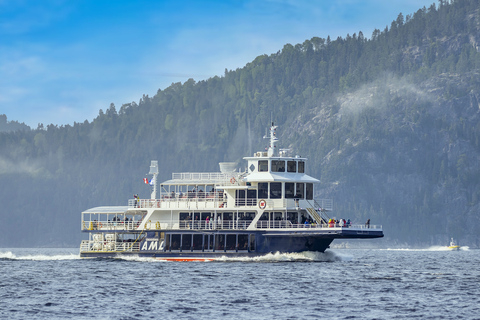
{"x": 227, "y": 167}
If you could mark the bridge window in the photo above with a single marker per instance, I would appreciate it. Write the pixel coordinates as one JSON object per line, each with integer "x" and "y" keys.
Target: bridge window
{"x": 301, "y": 167}
{"x": 263, "y": 165}
{"x": 278, "y": 166}
{"x": 291, "y": 166}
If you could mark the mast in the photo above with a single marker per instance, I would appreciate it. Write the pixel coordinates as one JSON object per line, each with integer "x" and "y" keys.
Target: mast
{"x": 273, "y": 139}
{"x": 154, "y": 172}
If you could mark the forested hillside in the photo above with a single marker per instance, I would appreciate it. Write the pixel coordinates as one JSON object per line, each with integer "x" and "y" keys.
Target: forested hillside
{"x": 390, "y": 124}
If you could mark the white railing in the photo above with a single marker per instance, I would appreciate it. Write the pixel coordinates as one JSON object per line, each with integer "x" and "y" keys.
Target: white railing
{"x": 211, "y": 225}
{"x": 202, "y": 176}
{"x": 193, "y": 200}
{"x": 110, "y": 225}
{"x": 113, "y": 246}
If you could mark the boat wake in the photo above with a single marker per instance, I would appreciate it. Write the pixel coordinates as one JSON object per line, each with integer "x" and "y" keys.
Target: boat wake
{"x": 8, "y": 255}
{"x": 308, "y": 256}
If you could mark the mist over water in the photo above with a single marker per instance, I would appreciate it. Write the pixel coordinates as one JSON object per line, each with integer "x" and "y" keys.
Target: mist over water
{"x": 429, "y": 283}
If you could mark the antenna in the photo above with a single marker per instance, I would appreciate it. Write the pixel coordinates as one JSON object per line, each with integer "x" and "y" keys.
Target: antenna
{"x": 154, "y": 172}
{"x": 273, "y": 140}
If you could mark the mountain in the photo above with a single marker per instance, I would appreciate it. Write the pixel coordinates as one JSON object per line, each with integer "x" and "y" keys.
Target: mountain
{"x": 390, "y": 125}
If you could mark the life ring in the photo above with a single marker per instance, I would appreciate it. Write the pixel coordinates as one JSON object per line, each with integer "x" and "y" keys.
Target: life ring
{"x": 262, "y": 204}
{"x": 232, "y": 181}
{"x": 157, "y": 225}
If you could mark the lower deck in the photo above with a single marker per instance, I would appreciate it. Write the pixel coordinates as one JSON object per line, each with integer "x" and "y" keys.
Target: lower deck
{"x": 217, "y": 243}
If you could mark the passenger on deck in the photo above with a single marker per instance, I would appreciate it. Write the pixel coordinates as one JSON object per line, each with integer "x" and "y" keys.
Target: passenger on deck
{"x": 341, "y": 223}
{"x": 207, "y": 222}
{"x": 367, "y": 224}
{"x": 331, "y": 223}
{"x": 349, "y": 223}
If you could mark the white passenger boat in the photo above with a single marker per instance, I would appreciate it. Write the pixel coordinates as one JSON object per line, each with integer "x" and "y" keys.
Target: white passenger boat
{"x": 268, "y": 207}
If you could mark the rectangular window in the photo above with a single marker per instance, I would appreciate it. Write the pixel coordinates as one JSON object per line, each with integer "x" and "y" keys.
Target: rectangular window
{"x": 263, "y": 190}
{"x": 175, "y": 243}
{"x": 263, "y": 165}
{"x": 275, "y": 190}
{"x": 231, "y": 242}
{"x": 301, "y": 167}
{"x": 242, "y": 241}
{"x": 278, "y": 166}
{"x": 186, "y": 242}
{"x": 289, "y": 190}
{"x": 309, "y": 193}
{"x": 291, "y": 166}
{"x": 197, "y": 241}
{"x": 300, "y": 191}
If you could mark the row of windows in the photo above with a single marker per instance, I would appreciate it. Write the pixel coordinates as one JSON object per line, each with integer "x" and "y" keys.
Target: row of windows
{"x": 210, "y": 242}
{"x": 273, "y": 190}
{"x": 279, "y": 166}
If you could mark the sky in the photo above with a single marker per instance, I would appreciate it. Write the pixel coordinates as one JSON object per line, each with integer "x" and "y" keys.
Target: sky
{"x": 61, "y": 61}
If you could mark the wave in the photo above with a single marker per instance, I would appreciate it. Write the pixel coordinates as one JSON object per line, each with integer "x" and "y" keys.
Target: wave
{"x": 8, "y": 255}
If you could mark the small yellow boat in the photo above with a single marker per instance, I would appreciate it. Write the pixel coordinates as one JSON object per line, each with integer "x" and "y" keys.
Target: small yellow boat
{"x": 453, "y": 245}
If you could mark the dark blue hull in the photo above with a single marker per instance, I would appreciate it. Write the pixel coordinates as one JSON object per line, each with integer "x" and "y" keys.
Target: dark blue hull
{"x": 214, "y": 244}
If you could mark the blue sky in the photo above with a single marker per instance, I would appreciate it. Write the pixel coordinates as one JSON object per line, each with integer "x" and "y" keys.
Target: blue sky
{"x": 61, "y": 61}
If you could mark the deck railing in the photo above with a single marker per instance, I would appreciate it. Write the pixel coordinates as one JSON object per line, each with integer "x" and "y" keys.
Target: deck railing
{"x": 99, "y": 246}
{"x": 211, "y": 225}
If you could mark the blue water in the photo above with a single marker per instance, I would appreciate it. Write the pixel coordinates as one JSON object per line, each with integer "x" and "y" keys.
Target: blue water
{"x": 340, "y": 284}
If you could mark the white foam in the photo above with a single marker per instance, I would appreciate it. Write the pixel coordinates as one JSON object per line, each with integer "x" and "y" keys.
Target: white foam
{"x": 38, "y": 257}
{"x": 328, "y": 256}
